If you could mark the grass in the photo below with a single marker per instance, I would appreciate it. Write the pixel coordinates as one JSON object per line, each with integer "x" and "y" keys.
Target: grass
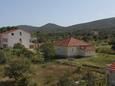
{"x": 100, "y": 60}
{"x": 49, "y": 73}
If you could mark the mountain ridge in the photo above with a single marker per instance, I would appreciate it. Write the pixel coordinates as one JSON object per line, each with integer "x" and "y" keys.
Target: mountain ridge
{"x": 54, "y": 28}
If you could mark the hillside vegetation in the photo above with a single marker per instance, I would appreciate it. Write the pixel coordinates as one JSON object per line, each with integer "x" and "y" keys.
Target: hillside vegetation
{"x": 40, "y": 67}
{"x": 95, "y": 25}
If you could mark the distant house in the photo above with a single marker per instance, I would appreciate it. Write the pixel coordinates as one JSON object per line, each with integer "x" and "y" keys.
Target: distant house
{"x": 11, "y": 37}
{"x": 111, "y": 74}
{"x": 73, "y": 47}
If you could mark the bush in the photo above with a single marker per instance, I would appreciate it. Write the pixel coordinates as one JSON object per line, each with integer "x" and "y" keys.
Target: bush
{"x": 48, "y": 51}
{"x": 18, "y": 46}
{"x": 19, "y": 70}
{"x": 27, "y": 53}
{"x": 2, "y": 57}
{"x": 104, "y": 50}
{"x": 20, "y": 50}
{"x": 65, "y": 81}
{"x": 38, "y": 56}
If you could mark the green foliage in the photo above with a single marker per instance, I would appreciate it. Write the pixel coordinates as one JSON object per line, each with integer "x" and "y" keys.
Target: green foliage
{"x": 32, "y": 83}
{"x": 18, "y": 69}
{"x": 65, "y": 81}
{"x": 38, "y": 57}
{"x": 20, "y": 50}
{"x": 41, "y": 37}
{"x": 104, "y": 49}
{"x": 48, "y": 51}
{"x": 27, "y": 53}
{"x": 19, "y": 46}
{"x": 2, "y": 57}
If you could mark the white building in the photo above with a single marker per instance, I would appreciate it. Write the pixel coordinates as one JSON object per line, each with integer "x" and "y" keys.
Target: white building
{"x": 111, "y": 74}
{"x": 11, "y": 37}
{"x": 73, "y": 47}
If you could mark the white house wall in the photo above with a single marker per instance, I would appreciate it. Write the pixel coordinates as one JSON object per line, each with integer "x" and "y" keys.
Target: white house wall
{"x": 60, "y": 50}
{"x": 2, "y": 37}
{"x": 72, "y": 51}
{"x": 111, "y": 79}
{"x": 81, "y": 52}
{"x": 25, "y": 37}
{"x": 68, "y": 51}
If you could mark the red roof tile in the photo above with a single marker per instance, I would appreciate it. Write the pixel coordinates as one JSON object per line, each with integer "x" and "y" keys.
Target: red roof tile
{"x": 111, "y": 67}
{"x": 71, "y": 42}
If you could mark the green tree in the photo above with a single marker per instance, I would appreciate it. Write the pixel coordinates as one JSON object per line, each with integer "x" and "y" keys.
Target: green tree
{"x": 18, "y": 46}
{"x": 27, "y": 53}
{"x": 38, "y": 57}
{"x": 48, "y": 51}
{"x": 19, "y": 70}
{"x": 18, "y": 49}
{"x": 65, "y": 81}
{"x": 2, "y": 57}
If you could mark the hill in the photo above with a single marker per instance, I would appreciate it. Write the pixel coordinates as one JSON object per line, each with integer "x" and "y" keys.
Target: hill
{"x": 28, "y": 28}
{"x": 103, "y": 24}
{"x": 50, "y": 28}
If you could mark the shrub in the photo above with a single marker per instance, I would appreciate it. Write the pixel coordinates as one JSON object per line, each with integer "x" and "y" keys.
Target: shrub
{"x": 48, "y": 51}
{"x": 104, "y": 50}
{"x": 18, "y": 46}
{"x": 2, "y": 57}
{"x": 19, "y": 70}
{"x": 20, "y": 50}
{"x": 65, "y": 81}
{"x": 27, "y": 53}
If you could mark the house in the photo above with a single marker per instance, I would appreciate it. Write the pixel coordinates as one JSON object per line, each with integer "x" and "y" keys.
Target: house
{"x": 111, "y": 74}
{"x": 70, "y": 47}
{"x": 10, "y": 37}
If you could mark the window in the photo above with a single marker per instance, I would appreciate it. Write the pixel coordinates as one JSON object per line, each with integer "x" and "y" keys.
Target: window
{"x": 5, "y": 40}
{"x": 20, "y": 33}
{"x": 12, "y": 34}
{"x": 20, "y": 40}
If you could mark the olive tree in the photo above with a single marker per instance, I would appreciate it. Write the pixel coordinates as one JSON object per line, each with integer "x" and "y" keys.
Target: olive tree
{"x": 2, "y": 57}
{"x": 48, "y": 51}
{"x": 19, "y": 70}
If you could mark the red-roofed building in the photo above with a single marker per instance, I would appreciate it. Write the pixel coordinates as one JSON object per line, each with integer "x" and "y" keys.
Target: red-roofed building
{"x": 111, "y": 74}
{"x": 73, "y": 47}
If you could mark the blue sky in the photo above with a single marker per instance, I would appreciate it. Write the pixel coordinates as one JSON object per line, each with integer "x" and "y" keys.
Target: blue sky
{"x": 61, "y": 12}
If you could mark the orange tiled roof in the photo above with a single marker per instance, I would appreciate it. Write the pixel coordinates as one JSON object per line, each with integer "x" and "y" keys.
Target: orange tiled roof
{"x": 71, "y": 42}
{"x": 111, "y": 67}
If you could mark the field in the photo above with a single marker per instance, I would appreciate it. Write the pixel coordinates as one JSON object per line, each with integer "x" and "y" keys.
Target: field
{"x": 49, "y": 73}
